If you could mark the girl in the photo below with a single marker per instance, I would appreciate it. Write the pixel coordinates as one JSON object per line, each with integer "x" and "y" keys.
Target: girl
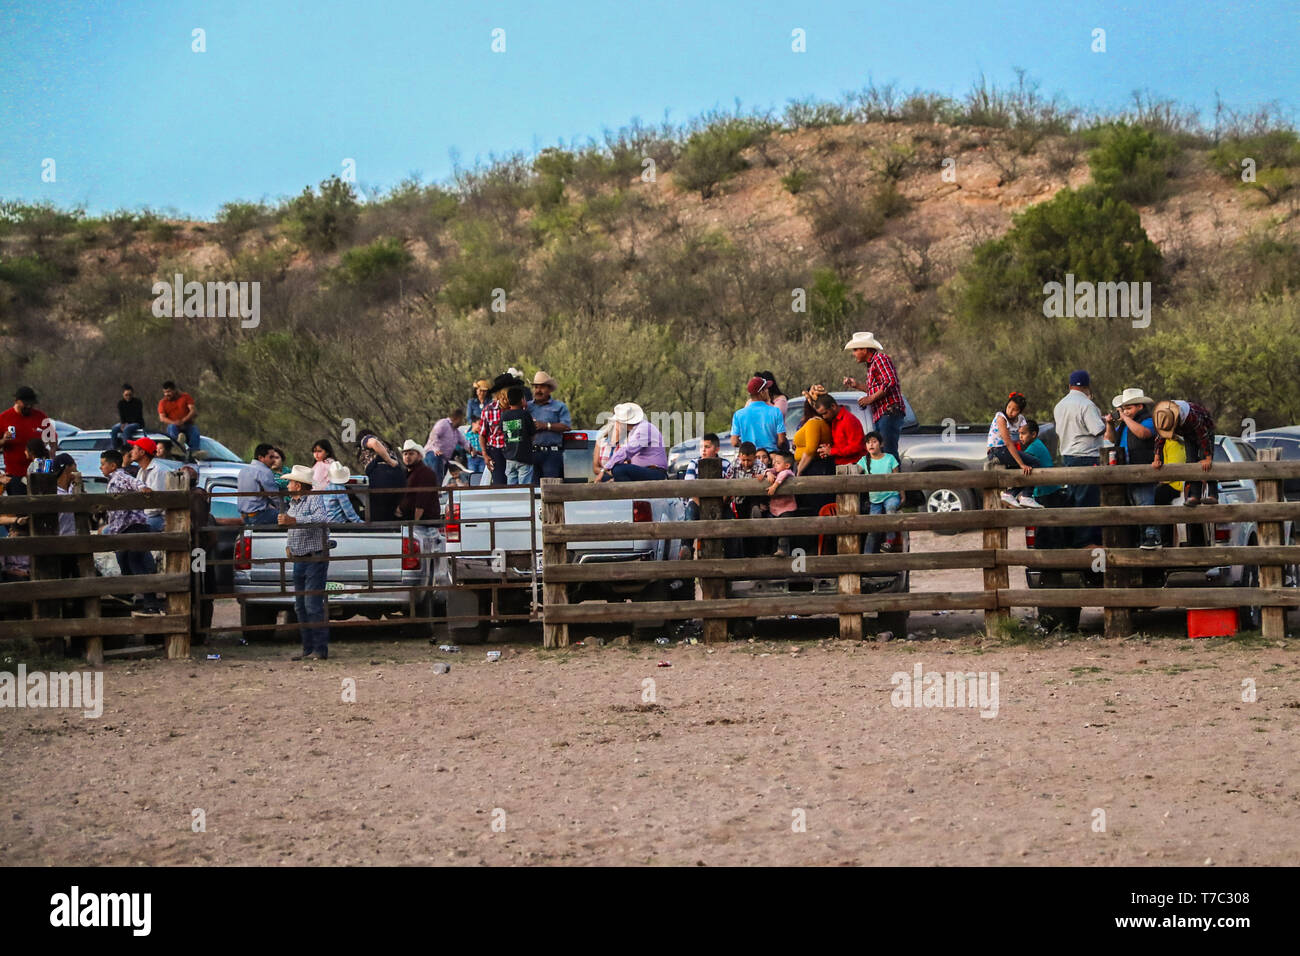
{"x": 1004, "y": 448}
{"x": 774, "y": 393}
{"x": 878, "y": 462}
{"x": 323, "y": 453}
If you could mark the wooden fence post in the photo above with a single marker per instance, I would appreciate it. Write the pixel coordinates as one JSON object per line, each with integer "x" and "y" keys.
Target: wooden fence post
{"x": 847, "y": 506}
{"x": 1272, "y": 619}
{"x": 1118, "y": 621}
{"x": 90, "y": 606}
{"x": 998, "y": 577}
{"x": 44, "y": 567}
{"x": 178, "y": 562}
{"x": 715, "y": 629}
{"x": 554, "y": 554}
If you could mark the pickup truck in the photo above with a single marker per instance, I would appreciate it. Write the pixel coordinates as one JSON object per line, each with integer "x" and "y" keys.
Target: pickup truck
{"x": 921, "y": 448}
{"x": 494, "y": 538}
{"x": 1188, "y": 534}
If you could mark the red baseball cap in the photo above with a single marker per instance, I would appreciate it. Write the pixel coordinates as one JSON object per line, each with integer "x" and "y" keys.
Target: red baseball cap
{"x": 757, "y": 384}
{"x": 146, "y": 444}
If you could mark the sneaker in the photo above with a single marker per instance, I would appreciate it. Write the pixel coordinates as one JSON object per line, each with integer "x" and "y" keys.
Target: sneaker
{"x": 1009, "y": 500}
{"x": 780, "y": 553}
{"x": 1028, "y": 501}
{"x": 1150, "y": 540}
{"x": 1209, "y": 500}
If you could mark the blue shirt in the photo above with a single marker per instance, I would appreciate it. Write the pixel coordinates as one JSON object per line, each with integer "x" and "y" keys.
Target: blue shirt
{"x": 760, "y": 423}
{"x": 257, "y": 477}
{"x": 339, "y": 507}
{"x": 553, "y": 411}
{"x": 1042, "y": 458}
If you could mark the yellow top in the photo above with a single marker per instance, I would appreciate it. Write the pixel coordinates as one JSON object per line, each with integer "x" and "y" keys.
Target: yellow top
{"x": 814, "y": 432}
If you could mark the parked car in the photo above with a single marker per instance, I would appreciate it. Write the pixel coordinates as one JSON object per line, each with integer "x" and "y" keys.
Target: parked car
{"x": 211, "y": 458}
{"x": 1185, "y": 534}
{"x": 1287, "y": 441}
{"x": 508, "y": 521}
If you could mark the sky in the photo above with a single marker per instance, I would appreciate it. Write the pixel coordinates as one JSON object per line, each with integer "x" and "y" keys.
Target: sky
{"x": 132, "y": 116}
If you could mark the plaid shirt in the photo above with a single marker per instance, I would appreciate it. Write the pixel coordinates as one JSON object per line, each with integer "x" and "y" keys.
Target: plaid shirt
{"x": 492, "y": 434}
{"x": 303, "y": 537}
{"x": 733, "y": 470}
{"x": 881, "y": 374}
{"x": 121, "y": 482}
{"x": 1197, "y": 432}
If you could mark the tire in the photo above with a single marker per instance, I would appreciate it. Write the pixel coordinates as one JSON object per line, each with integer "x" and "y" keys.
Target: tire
{"x": 943, "y": 500}
{"x": 1059, "y": 618}
{"x": 895, "y": 621}
{"x": 1250, "y": 617}
{"x": 742, "y": 629}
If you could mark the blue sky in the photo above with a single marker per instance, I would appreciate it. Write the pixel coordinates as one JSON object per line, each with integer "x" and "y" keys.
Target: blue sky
{"x": 111, "y": 90}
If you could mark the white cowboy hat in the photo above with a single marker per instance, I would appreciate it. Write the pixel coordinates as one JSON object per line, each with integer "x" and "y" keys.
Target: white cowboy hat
{"x": 454, "y": 465}
{"x": 300, "y": 473}
{"x": 542, "y": 378}
{"x": 864, "y": 340}
{"x": 412, "y": 446}
{"x": 1132, "y": 396}
{"x": 629, "y": 413}
{"x": 338, "y": 473}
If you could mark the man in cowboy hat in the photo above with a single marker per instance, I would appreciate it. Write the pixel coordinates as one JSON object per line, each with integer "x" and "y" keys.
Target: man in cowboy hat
{"x": 551, "y": 420}
{"x": 758, "y": 421}
{"x": 640, "y": 455}
{"x": 1133, "y": 430}
{"x": 1193, "y": 424}
{"x": 307, "y": 543}
{"x": 883, "y": 392}
{"x": 421, "y": 499}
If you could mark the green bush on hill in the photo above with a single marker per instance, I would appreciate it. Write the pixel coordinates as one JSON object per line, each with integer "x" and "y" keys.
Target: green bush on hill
{"x": 323, "y": 219}
{"x": 1133, "y": 163}
{"x": 712, "y": 154}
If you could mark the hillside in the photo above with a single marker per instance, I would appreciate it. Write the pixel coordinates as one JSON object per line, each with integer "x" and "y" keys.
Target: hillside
{"x": 671, "y": 292}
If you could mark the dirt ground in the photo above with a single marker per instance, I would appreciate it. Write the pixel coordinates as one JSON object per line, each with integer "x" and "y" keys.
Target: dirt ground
{"x": 549, "y": 757}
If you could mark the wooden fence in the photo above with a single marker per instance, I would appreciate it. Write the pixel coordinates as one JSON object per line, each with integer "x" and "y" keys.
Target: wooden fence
{"x": 52, "y": 594}
{"x": 996, "y": 598}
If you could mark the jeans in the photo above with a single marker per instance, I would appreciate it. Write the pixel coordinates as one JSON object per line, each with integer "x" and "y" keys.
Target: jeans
{"x": 1193, "y": 489}
{"x": 1002, "y": 455}
{"x": 310, "y": 576}
{"x": 548, "y": 462}
{"x": 139, "y": 562}
{"x": 890, "y": 427}
{"x": 121, "y": 433}
{"x": 498, "y": 456}
{"x": 887, "y": 507}
{"x": 265, "y": 516}
{"x": 519, "y": 473}
{"x": 437, "y": 463}
{"x": 191, "y": 432}
{"x": 1142, "y": 495}
{"x": 627, "y": 472}
{"x": 1083, "y": 496}
{"x": 155, "y": 522}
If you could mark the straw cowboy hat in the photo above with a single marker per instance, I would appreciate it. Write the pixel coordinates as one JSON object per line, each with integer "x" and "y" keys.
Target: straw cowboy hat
{"x": 1131, "y": 396}
{"x": 542, "y": 378}
{"x": 1165, "y": 418}
{"x": 409, "y": 445}
{"x": 300, "y": 473}
{"x": 629, "y": 413}
{"x": 864, "y": 340}
{"x": 338, "y": 473}
{"x": 483, "y": 383}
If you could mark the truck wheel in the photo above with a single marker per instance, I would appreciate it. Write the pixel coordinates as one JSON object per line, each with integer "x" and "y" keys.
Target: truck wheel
{"x": 742, "y": 629}
{"x": 1059, "y": 618}
{"x": 942, "y": 500}
{"x": 256, "y": 615}
{"x": 895, "y": 621}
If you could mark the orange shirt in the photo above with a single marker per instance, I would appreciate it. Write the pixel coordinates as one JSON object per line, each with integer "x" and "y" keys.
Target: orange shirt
{"x": 176, "y": 409}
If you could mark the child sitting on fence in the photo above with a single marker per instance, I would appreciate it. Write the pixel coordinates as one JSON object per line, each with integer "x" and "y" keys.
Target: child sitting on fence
{"x": 1004, "y": 448}
{"x": 878, "y": 462}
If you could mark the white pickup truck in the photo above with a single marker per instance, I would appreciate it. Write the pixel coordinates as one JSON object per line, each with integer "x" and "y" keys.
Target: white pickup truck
{"x": 494, "y": 540}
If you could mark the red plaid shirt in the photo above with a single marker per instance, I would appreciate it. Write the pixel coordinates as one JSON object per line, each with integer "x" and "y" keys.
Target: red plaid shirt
{"x": 881, "y": 374}
{"x": 492, "y": 435}
{"x": 1197, "y": 433}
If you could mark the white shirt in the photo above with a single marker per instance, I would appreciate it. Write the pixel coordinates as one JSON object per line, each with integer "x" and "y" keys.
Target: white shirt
{"x": 154, "y": 476}
{"x": 1079, "y": 425}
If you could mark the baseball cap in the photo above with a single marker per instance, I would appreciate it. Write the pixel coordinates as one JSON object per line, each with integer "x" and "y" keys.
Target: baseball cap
{"x": 1080, "y": 377}
{"x": 146, "y": 444}
{"x": 757, "y": 384}
{"x": 25, "y": 393}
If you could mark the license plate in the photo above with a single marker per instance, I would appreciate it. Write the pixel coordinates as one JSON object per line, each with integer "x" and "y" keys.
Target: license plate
{"x": 333, "y": 586}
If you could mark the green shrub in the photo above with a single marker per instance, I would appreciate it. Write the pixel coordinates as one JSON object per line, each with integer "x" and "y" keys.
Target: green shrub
{"x": 1274, "y": 149}
{"x": 323, "y": 219}
{"x": 712, "y": 155}
{"x": 485, "y": 262}
{"x": 1133, "y": 163}
{"x": 1087, "y": 232}
{"x": 832, "y": 305}
{"x": 811, "y": 114}
{"x": 795, "y": 180}
{"x": 30, "y": 277}
{"x": 374, "y": 264}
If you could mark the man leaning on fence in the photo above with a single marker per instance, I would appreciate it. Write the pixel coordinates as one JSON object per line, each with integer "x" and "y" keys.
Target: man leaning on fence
{"x": 254, "y": 508}
{"x": 129, "y": 521}
{"x": 307, "y": 543}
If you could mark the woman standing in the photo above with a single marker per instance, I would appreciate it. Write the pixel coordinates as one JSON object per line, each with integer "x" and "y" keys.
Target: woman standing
{"x": 473, "y": 413}
{"x": 774, "y": 393}
{"x": 382, "y": 470}
{"x": 323, "y": 453}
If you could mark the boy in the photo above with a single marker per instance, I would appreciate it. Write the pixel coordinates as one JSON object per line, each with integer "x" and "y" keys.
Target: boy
{"x": 519, "y": 428}
{"x": 129, "y": 521}
{"x": 878, "y": 462}
{"x": 781, "y": 505}
{"x": 1036, "y": 455}
{"x": 744, "y": 466}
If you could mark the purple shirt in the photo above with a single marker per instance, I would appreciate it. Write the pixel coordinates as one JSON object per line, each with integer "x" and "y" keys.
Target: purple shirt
{"x": 644, "y": 447}
{"x": 445, "y": 438}
{"x": 122, "y": 482}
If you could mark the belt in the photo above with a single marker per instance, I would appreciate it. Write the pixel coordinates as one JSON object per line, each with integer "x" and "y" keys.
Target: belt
{"x": 546, "y": 448}
{"x": 311, "y": 554}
